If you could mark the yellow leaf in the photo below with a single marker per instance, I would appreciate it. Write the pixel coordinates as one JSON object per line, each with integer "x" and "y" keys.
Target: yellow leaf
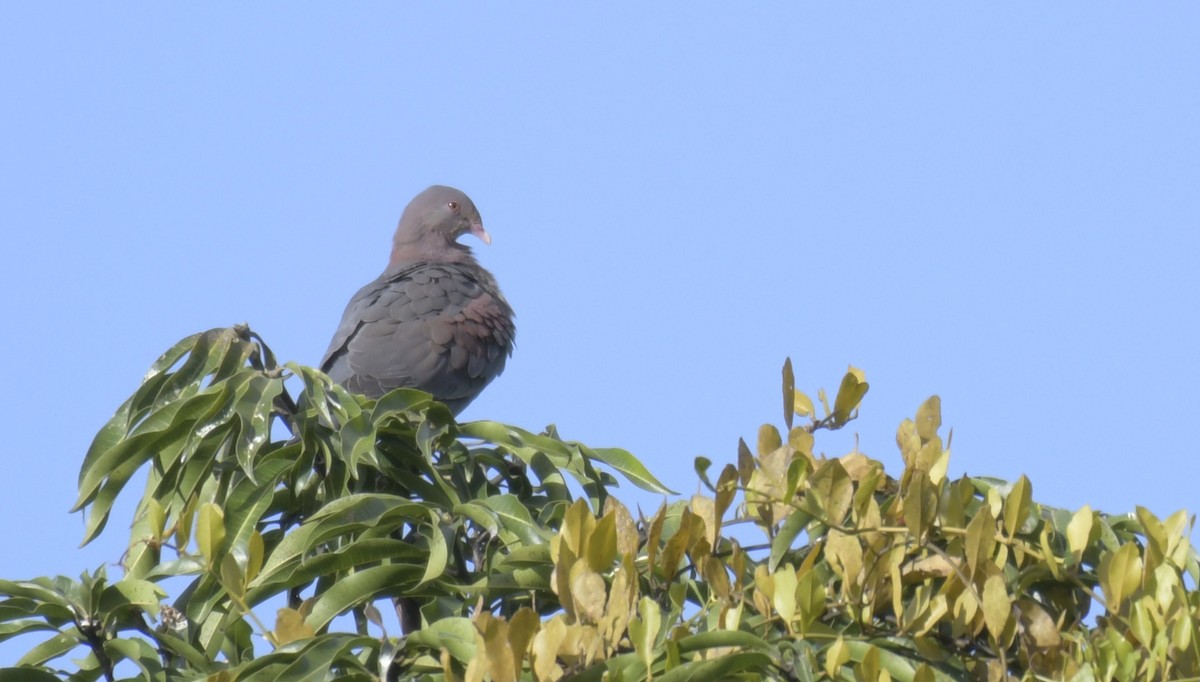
{"x": 833, "y": 490}
{"x": 1078, "y": 532}
{"x": 231, "y": 576}
{"x": 521, "y": 629}
{"x": 803, "y": 405}
{"x": 764, "y": 590}
{"x": 941, "y": 464}
{"x": 546, "y": 644}
{"x": 156, "y": 518}
{"x": 1048, "y": 552}
{"x": 726, "y": 490}
{"x": 627, "y": 532}
{"x": 802, "y": 441}
{"x": 210, "y": 531}
{"x": 602, "y": 545}
{"x": 1120, "y": 575}
{"x": 499, "y": 661}
{"x": 909, "y": 442}
{"x": 622, "y": 596}
{"x": 745, "y": 465}
{"x": 809, "y": 596}
{"x": 920, "y": 504}
{"x": 981, "y": 540}
{"x": 254, "y": 556}
{"x": 183, "y": 526}
{"x": 923, "y": 674}
{"x": 577, "y": 527}
{"x": 868, "y": 670}
{"x": 655, "y": 534}
{"x": 784, "y": 599}
{"x": 1178, "y": 527}
{"x": 849, "y": 395}
{"x": 588, "y": 593}
{"x": 997, "y": 606}
{"x": 835, "y": 657}
{"x": 1017, "y": 505}
{"x": 290, "y": 626}
{"x": 714, "y": 574}
{"x": 769, "y": 440}
{"x": 929, "y": 418}
{"x": 679, "y": 543}
{"x": 789, "y": 391}
{"x": 705, "y": 509}
{"x": 845, "y": 556}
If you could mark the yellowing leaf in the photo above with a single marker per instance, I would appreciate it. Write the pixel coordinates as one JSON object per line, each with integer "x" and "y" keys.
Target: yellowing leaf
{"x": 521, "y": 629}
{"x": 835, "y": 657}
{"x": 868, "y": 670}
{"x": 1120, "y": 575}
{"x": 643, "y": 632}
{"x": 929, "y": 418}
{"x": 849, "y": 395}
{"x": 784, "y": 599}
{"x": 810, "y": 597}
{"x": 769, "y": 440}
{"x": 546, "y": 643}
{"x": 290, "y": 626}
{"x": 997, "y": 606}
{"x": 210, "y": 531}
{"x": 920, "y": 504}
{"x": 602, "y": 545}
{"x": 845, "y": 556}
{"x": 705, "y": 508}
{"x": 496, "y": 656}
{"x": 789, "y": 390}
{"x": 627, "y": 532}
{"x": 254, "y": 556}
{"x": 803, "y": 405}
{"x": 981, "y": 540}
{"x": 655, "y": 534}
{"x": 1078, "y": 532}
{"x": 231, "y": 576}
{"x": 588, "y": 593}
{"x": 1017, "y": 505}
{"x": 1037, "y": 624}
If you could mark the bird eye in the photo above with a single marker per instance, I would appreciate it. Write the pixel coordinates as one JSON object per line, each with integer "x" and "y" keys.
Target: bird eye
{"x": 453, "y": 206}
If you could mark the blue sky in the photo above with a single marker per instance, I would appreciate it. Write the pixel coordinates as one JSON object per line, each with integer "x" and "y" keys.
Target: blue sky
{"x": 997, "y": 203}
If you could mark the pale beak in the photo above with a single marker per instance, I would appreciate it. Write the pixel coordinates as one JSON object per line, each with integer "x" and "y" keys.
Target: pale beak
{"x": 478, "y": 231}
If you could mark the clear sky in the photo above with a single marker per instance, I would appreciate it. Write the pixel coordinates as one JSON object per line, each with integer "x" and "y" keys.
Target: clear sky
{"x": 995, "y": 202}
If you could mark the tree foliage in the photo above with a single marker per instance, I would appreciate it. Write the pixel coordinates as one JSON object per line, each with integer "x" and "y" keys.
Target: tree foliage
{"x": 507, "y": 557}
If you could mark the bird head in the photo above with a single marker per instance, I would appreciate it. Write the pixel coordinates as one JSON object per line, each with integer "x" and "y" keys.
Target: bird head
{"x": 431, "y": 224}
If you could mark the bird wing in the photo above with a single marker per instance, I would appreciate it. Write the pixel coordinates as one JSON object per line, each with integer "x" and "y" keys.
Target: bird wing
{"x": 442, "y": 328}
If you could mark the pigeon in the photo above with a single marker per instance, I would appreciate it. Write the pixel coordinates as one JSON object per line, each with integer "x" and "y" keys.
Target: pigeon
{"x": 435, "y": 320}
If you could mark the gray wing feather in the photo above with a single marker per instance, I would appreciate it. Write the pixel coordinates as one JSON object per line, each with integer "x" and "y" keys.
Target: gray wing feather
{"x": 445, "y": 329}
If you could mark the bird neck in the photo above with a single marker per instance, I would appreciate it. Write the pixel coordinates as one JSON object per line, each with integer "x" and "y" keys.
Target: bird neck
{"x": 404, "y": 254}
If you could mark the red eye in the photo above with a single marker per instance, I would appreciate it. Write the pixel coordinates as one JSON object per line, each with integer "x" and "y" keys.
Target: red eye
{"x": 453, "y": 206}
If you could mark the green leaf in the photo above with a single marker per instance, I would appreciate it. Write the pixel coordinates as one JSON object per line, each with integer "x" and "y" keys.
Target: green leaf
{"x": 789, "y": 394}
{"x": 723, "y": 668}
{"x": 514, "y": 518}
{"x": 456, "y": 635}
{"x": 796, "y": 522}
{"x": 439, "y": 552}
{"x": 361, "y": 588}
{"x": 629, "y": 467}
{"x": 850, "y": 394}
{"x": 26, "y": 675}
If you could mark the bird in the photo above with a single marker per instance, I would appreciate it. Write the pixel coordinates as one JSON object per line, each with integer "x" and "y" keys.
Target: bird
{"x": 435, "y": 320}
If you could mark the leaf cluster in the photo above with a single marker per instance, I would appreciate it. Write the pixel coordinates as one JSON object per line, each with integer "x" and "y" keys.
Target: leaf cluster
{"x": 506, "y": 557}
